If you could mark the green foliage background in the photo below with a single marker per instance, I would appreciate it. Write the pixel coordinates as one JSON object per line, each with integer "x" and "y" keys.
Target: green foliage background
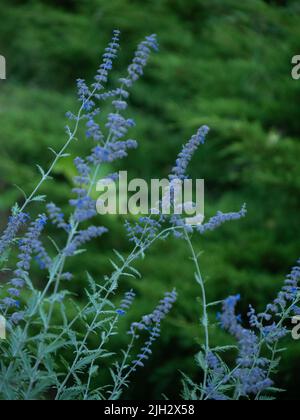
{"x": 225, "y": 63}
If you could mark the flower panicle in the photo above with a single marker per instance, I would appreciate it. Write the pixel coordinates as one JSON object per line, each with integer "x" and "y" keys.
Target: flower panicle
{"x": 15, "y": 222}
{"x": 27, "y": 246}
{"x": 126, "y": 303}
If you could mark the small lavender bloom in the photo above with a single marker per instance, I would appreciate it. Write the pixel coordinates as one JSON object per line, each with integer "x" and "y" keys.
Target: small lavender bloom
{"x": 93, "y": 129}
{"x": 185, "y": 157}
{"x": 85, "y": 208}
{"x": 88, "y": 95}
{"x": 118, "y": 126}
{"x": 42, "y": 256}
{"x": 146, "y": 350}
{"x": 84, "y": 92}
{"x": 220, "y": 219}
{"x": 84, "y": 95}
{"x": 17, "y": 317}
{"x": 273, "y": 333}
{"x": 57, "y": 217}
{"x": 142, "y": 54}
{"x": 14, "y": 292}
{"x": 67, "y": 276}
{"x": 115, "y": 93}
{"x": 120, "y": 312}
{"x": 296, "y": 310}
{"x": 253, "y": 374}
{"x": 8, "y": 303}
{"x": 287, "y": 295}
{"x": 146, "y": 230}
{"x": 126, "y": 303}
{"x": 214, "y": 363}
{"x": 120, "y": 105}
{"x": 112, "y": 152}
{"x": 14, "y": 224}
{"x": 18, "y": 283}
{"x": 159, "y": 313}
{"x": 83, "y": 170}
{"x": 99, "y": 155}
{"x": 27, "y": 246}
{"x": 108, "y": 57}
{"x": 252, "y": 381}
{"x": 253, "y": 318}
{"x": 164, "y": 307}
{"x": 28, "y": 243}
{"x": 83, "y": 237}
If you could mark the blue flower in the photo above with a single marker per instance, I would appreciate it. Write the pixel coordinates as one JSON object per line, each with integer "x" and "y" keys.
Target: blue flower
{"x": 57, "y": 217}
{"x": 185, "y": 157}
{"x": 14, "y": 224}
{"x": 288, "y": 294}
{"x": 159, "y": 313}
{"x": 126, "y": 303}
{"x": 253, "y": 374}
{"x": 27, "y": 246}
{"x": 85, "y": 207}
{"x": 82, "y": 237}
{"x": 107, "y": 63}
{"x": 220, "y": 219}
{"x": 136, "y": 68}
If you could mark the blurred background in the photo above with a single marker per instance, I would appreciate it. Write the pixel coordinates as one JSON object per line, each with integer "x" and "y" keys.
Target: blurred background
{"x": 225, "y": 63}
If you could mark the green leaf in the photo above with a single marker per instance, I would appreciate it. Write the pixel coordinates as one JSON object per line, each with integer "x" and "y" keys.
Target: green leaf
{"x": 200, "y": 360}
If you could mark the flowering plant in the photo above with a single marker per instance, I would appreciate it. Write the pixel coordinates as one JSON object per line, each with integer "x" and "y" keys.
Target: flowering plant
{"x": 38, "y": 328}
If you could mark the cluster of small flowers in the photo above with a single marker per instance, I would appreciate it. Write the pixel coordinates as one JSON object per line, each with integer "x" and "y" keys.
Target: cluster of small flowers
{"x": 84, "y": 205}
{"x": 185, "y": 157}
{"x": 158, "y": 314}
{"x": 111, "y": 53}
{"x": 286, "y": 304}
{"x": 14, "y": 224}
{"x": 57, "y": 217}
{"x": 41, "y": 255}
{"x": 252, "y": 376}
{"x": 221, "y": 218}
{"x": 287, "y": 298}
{"x": 88, "y": 95}
{"x": 143, "y": 232}
{"x": 126, "y": 303}
{"x": 83, "y": 237}
{"x": 111, "y": 152}
{"x": 136, "y": 69}
{"x": 28, "y": 246}
{"x": 152, "y": 323}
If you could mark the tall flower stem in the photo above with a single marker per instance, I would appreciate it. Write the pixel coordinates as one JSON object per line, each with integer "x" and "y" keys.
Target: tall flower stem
{"x": 205, "y": 323}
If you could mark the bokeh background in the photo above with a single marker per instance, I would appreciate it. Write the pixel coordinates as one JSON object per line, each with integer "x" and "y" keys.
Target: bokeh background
{"x": 225, "y": 63}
